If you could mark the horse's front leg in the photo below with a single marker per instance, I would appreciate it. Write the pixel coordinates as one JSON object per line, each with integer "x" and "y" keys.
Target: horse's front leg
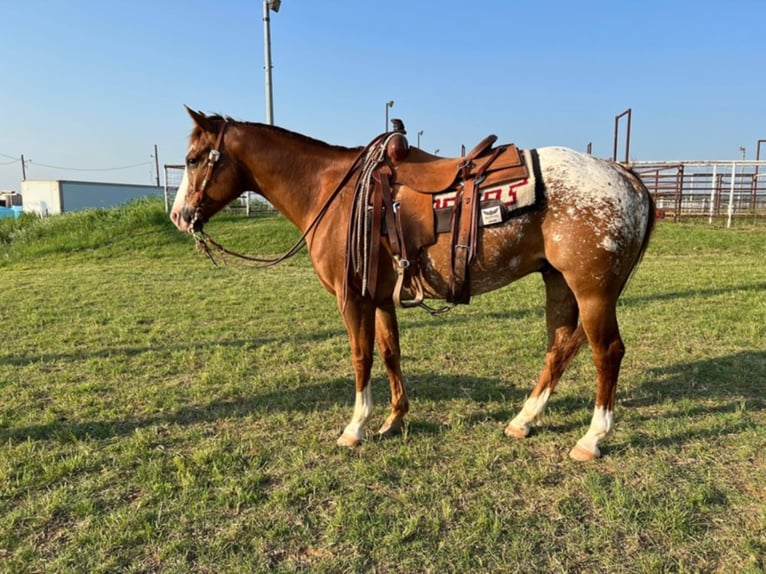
{"x": 387, "y": 335}
{"x": 359, "y": 316}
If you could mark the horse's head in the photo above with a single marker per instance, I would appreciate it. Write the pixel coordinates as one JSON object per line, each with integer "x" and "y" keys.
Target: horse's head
{"x": 211, "y": 179}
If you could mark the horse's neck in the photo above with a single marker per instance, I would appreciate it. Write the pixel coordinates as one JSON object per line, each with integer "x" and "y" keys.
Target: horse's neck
{"x": 296, "y": 175}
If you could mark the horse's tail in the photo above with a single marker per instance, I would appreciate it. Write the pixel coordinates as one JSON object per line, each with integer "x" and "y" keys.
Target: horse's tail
{"x": 651, "y": 220}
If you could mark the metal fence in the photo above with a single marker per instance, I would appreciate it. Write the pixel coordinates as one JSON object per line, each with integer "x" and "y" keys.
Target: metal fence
{"x": 248, "y": 203}
{"x": 717, "y": 190}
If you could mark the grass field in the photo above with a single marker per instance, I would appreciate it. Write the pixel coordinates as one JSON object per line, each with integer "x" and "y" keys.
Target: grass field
{"x": 158, "y": 414}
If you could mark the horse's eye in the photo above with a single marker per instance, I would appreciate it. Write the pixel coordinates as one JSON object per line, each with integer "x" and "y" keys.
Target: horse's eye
{"x": 191, "y": 162}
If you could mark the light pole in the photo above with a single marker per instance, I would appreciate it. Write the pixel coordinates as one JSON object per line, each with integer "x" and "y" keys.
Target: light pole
{"x": 389, "y": 104}
{"x": 420, "y": 133}
{"x": 268, "y": 5}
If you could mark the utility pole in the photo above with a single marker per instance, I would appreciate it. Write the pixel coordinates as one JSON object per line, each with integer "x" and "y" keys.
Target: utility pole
{"x": 23, "y": 169}
{"x": 156, "y": 165}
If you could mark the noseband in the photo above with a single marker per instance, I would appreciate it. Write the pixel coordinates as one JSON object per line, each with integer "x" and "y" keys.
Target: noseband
{"x": 212, "y": 161}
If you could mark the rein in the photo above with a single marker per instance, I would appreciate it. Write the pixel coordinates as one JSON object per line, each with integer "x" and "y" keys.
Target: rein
{"x": 205, "y": 241}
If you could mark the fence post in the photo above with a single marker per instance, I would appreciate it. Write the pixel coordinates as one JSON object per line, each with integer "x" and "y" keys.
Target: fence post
{"x": 731, "y": 193}
{"x": 679, "y": 191}
{"x": 167, "y": 201}
{"x": 712, "y": 195}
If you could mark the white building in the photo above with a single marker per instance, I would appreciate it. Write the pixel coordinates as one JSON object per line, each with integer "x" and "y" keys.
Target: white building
{"x": 49, "y": 197}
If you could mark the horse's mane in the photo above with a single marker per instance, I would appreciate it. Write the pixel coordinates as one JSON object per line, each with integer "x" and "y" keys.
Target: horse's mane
{"x": 285, "y": 132}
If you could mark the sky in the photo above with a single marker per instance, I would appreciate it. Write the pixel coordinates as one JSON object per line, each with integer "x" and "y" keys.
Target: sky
{"x": 89, "y": 87}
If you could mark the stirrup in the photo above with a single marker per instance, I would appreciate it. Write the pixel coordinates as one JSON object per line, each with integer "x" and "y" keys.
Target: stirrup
{"x": 417, "y": 300}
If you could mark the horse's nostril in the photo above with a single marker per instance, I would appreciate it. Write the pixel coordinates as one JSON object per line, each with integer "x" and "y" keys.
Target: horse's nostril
{"x": 188, "y": 214}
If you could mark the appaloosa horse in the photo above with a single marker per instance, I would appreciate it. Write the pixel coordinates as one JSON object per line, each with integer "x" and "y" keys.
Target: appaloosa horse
{"x": 585, "y": 240}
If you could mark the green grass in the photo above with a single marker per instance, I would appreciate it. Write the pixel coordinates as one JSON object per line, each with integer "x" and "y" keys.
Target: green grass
{"x": 158, "y": 414}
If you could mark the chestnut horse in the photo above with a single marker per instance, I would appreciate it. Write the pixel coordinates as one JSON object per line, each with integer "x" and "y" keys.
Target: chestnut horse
{"x": 585, "y": 240}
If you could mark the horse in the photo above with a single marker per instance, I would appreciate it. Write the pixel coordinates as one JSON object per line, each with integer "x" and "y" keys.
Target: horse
{"x": 585, "y": 240}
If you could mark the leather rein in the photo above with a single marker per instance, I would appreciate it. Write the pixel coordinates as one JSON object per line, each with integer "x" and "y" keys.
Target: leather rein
{"x": 205, "y": 241}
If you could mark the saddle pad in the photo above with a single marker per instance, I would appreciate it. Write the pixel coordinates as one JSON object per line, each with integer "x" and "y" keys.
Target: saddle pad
{"x": 499, "y": 201}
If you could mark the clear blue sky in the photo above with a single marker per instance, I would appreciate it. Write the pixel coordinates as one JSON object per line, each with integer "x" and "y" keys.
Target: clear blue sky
{"x": 88, "y": 84}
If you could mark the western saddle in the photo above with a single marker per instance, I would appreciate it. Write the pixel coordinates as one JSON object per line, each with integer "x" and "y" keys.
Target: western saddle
{"x": 395, "y": 197}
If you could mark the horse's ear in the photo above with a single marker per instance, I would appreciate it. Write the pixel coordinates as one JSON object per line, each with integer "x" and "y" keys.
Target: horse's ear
{"x": 199, "y": 118}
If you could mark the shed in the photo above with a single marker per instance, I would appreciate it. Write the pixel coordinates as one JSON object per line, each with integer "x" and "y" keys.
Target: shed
{"x": 50, "y": 197}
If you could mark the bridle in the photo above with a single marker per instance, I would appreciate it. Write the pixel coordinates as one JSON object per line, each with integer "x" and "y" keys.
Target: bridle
{"x": 212, "y": 161}
{"x": 204, "y": 241}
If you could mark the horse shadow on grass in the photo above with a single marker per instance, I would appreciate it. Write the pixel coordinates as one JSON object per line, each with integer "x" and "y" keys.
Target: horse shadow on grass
{"x": 207, "y": 339}
{"x": 629, "y": 299}
{"x": 49, "y": 355}
{"x": 730, "y": 387}
{"x": 311, "y": 397}
{"x": 726, "y": 384}
{"x": 318, "y": 394}
{"x": 686, "y": 390}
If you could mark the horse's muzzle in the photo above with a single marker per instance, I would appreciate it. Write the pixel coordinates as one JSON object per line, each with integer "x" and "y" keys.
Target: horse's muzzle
{"x": 197, "y": 224}
{"x": 192, "y": 218}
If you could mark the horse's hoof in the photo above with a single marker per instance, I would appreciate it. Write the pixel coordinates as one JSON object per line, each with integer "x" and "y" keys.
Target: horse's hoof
{"x": 580, "y": 454}
{"x": 517, "y": 432}
{"x": 391, "y": 428}
{"x": 349, "y": 441}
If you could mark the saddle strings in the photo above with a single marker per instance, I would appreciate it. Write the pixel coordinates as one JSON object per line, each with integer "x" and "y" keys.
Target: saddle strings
{"x": 361, "y": 214}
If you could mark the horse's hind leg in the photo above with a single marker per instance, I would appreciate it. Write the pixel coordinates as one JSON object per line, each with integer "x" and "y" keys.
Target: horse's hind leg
{"x": 564, "y": 340}
{"x": 387, "y": 335}
{"x": 599, "y": 319}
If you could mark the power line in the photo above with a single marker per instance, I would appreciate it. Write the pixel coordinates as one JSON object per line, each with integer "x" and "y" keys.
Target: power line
{"x": 38, "y": 164}
{"x": 15, "y": 159}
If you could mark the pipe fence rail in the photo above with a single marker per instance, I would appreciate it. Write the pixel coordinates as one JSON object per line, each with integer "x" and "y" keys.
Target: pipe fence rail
{"x": 248, "y": 203}
{"x": 734, "y": 189}
{"x": 716, "y": 190}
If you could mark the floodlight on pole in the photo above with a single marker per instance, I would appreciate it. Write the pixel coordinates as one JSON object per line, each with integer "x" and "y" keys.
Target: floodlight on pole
{"x": 268, "y": 5}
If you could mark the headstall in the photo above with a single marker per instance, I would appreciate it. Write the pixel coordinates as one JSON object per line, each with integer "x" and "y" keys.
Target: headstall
{"x": 212, "y": 161}
{"x": 205, "y": 242}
